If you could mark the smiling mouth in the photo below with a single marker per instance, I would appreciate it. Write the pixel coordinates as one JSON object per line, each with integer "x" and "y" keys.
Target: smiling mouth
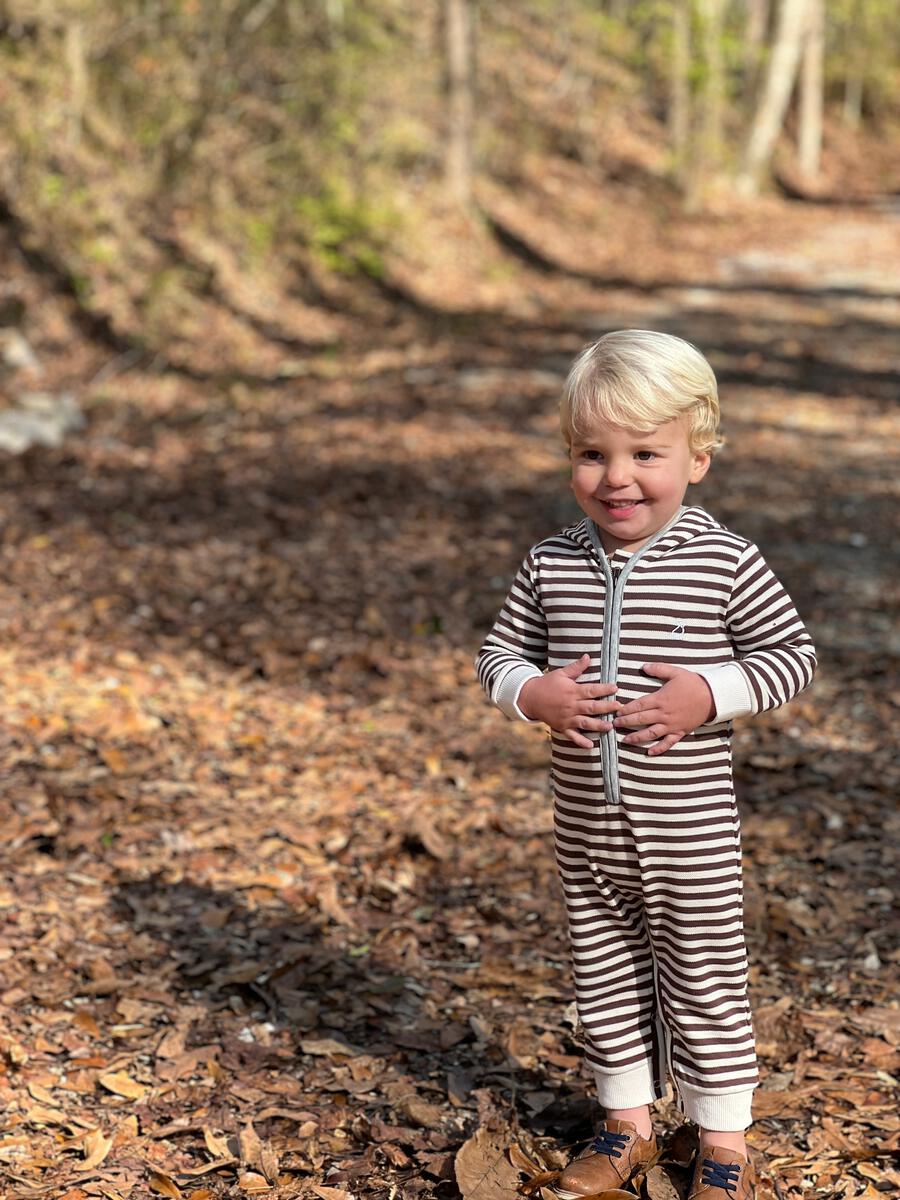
{"x": 621, "y": 503}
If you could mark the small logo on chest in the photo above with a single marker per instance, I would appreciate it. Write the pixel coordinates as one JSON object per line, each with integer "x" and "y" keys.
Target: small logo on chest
{"x": 678, "y": 632}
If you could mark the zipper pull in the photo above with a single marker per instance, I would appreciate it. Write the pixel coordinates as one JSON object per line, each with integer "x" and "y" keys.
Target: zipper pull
{"x": 616, "y": 572}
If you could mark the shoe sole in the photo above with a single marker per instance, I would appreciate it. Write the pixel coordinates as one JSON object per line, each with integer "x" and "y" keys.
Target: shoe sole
{"x": 610, "y": 1193}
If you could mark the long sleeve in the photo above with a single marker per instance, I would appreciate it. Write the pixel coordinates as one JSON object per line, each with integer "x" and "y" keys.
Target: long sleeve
{"x": 516, "y": 648}
{"x": 775, "y": 659}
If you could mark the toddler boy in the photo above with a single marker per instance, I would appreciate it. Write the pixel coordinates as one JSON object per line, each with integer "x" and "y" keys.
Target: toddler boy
{"x": 637, "y": 635}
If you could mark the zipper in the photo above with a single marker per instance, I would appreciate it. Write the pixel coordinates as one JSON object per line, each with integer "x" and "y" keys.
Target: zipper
{"x": 609, "y": 653}
{"x": 663, "y": 1032}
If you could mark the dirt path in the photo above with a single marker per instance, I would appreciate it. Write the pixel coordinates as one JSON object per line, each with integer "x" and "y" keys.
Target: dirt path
{"x": 279, "y": 901}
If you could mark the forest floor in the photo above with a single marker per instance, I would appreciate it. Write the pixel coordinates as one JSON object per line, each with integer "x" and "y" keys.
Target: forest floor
{"x": 279, "y": 907}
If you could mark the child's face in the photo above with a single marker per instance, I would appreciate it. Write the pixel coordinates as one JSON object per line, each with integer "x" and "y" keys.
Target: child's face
{"x": 631, "y": 484}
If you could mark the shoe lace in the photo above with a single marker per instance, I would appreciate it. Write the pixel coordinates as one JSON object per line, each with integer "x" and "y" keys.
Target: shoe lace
{"x": 722, "y": 1175}
{"x": 609, "y": 1143}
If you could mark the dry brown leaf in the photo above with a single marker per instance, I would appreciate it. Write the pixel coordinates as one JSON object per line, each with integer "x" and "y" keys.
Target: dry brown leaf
{"x": 209, "y": 1167}
{"x": 421, "y": 1112}
{"x": 86, "y": 1023}
{"x": 171, "y": 1044}
{"x": 252, "y": 1183}
{"x": 329, "y": 903}
{"x": 522, "y": 1162}
{"x": 14, "y": 1052}
{"x": 332, "y": 1193}
{"x": 164, "y": 1185}
{"x": 96, "y": 1148}
{"x": 250, "y": 1145}
{"x": 126, "y": 1131}
{"x": 659, "y": 1185}
{"x": 483, "y": 1171}
{"x": 121, "y": 1084}
{"x": 269, "y": 1161}
{"x": 42, "y": 1094}
{"x": 538, "y": 1182}
{"x": 327, "y": 1046}
{"x": 883, "y": 1021}
{"x": 200, "y": 1194}
{"x": 36, "y": 1115}
{"x": 217, "y": 1146}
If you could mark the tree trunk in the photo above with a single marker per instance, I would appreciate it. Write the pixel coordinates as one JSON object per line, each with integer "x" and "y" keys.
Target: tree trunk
{"x": 812, "y": 88}
{"x": 76, "y": 60}
{"x": 680, "y": 88}
{"x": 773, "y": 103}
{"x": 713, "y": 105}
{"x": 853, "y": 98}
{"x": 854, "y": 81}
{"x": 757, "y": 23}
{"x": 460, "y": 100}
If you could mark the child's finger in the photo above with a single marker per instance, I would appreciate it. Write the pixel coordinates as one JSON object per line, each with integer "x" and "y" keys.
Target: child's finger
{"x": 578, "y": 739}
{"x": 593, "y": 708}
{"x": 587, "y": 723}
{"x": 595, "y": 690}
{"x": 635, "y": 720}
{"x": 651, "y": 734}
{"x": 666, "y": 743}
{"x": 576, "y": 668}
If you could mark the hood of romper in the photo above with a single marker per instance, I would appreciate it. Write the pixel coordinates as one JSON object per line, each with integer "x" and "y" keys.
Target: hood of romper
{"x": 689, "y": 523}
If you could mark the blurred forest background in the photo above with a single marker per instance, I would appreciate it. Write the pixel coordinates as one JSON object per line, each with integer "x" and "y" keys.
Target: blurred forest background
{"x": 169, "y": 159}
{"x": 288, "y": 293}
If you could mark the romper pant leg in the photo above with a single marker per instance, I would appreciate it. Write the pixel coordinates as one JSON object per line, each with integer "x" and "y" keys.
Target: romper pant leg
{"x": 693, "y": 903}
{"x": 611, "y": 953}
{"x": 654, "y": 901}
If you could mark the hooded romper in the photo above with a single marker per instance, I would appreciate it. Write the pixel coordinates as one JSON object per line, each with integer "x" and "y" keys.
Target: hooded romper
{"x": 648, "y": 848}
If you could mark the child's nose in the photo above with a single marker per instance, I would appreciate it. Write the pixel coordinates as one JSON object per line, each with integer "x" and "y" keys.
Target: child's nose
{"x": 618, "y": 473}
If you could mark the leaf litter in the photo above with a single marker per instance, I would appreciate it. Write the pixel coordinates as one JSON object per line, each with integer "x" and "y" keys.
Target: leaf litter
{"x": 279, "y": 908}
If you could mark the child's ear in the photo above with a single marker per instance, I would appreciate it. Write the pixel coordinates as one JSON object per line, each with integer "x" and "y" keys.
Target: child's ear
{"x": 700, "y": 466}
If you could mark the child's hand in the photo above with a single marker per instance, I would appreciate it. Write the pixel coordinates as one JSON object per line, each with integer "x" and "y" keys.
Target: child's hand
{"x": 664, "y": 717}
{"x": 567, "y": 706}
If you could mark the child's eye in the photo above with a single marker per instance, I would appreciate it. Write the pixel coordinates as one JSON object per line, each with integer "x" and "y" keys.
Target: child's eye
{"x": 645, "y": 455}
{"x": 593, "y": 455}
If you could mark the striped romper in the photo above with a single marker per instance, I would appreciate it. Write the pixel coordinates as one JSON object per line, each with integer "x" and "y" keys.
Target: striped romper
{"x": 648, "y": 848}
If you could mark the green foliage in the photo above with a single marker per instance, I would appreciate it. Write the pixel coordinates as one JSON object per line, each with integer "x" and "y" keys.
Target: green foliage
{"x": 259, "y": 125}
{"x": 345, "y": 231}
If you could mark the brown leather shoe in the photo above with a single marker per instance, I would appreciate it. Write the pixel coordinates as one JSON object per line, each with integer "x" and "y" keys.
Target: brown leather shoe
{"x": 616, "y": 1158}
{"x": 722, "y": 1175}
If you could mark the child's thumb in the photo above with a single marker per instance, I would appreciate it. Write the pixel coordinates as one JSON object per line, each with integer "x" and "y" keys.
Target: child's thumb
{"x": 578, "y": 667}
{"x": 661, "y": 670}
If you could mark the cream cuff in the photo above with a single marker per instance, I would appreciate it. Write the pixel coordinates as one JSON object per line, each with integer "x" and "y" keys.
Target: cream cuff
{"x": 730, "y": 691}
{"x": 629, "y": 1088}
{"x": 505, "y": 693}
{"x": 726, "y": 1111}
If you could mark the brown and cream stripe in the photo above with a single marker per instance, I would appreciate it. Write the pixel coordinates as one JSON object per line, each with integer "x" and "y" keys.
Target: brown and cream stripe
{"x": 648, "y": 848}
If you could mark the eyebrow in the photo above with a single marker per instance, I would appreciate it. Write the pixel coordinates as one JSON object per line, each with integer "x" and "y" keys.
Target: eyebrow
{"x": 654, "y": 445}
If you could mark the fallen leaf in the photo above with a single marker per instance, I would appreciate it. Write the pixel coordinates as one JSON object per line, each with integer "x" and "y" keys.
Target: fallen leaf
{"x": 164, "y": 1185}
{"x": 96, "y": 1148}
{"x": 421, "y": 1112}
{"x": 483, "y": 1171}
{"x": 659, "y": 1185}
{"x": 217, "y": 1146}
{"x": 86, "y": 1023}
{"x": 252, "y": 1183}
{"x": 250, "y": 1145}
{"x": 42, "y": 1094}
{"x": 327, "y": 1046}
{"x": 122, "y": 1084}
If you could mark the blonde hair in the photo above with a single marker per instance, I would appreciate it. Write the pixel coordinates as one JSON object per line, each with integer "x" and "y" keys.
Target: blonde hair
{"x": 638, "y": 379}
